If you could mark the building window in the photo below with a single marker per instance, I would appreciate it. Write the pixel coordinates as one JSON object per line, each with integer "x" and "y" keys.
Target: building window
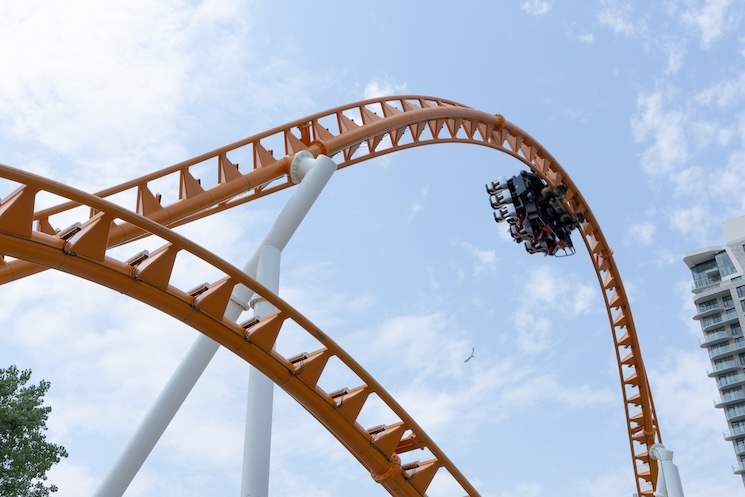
{"x": 732, "y": 394}
{"x": 741, "y": 291}
{"x": 728, "y": 379}
{"x": 736, "y": 278}
{"x": 724, "y": 263}
{"x": 713, "y": 319}
{"x": 736, "y": 329}
{"x": 736, "y": 409}
{"x": 742, "y": 359}
{"x": 740, "y": 445}
{"x": 705, "y": 273}
{"x": 727, "y": 301}
{"x": 719, "y": 348}
{"x": 725, "y": 362}
{"x": 731, "y": 314}
{"x": 708, "y": 305}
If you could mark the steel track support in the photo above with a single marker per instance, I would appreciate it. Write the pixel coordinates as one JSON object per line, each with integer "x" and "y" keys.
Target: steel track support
{"x": 668, "y": 477}
{"x": 312, "y": 179}
{"x": 312, "y": 176}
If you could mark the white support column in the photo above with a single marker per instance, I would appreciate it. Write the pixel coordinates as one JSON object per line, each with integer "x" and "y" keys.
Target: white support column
{"x": 668, "y": 477}
{"x": 257, "y": 442}
{"x": 192, "y": 366}
{"x": 313, "y": 174}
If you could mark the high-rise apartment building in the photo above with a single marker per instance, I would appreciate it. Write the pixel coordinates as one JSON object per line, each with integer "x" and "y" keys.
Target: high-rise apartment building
{"x": 719, "y": 297}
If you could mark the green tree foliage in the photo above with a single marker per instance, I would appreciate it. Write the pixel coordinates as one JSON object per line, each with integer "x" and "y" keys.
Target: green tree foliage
{"x": 25, "y": 455}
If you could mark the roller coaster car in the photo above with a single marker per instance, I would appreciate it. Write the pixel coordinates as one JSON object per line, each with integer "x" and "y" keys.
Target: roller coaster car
{"x": 535, "y": 212}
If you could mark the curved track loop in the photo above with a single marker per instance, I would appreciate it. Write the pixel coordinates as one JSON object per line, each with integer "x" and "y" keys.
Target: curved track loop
{"x": 358, "y": 132}
{"x": 382, "y": 450}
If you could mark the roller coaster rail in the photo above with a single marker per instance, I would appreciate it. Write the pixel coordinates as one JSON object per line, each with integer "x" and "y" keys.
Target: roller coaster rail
{"x": 31, "y": 242}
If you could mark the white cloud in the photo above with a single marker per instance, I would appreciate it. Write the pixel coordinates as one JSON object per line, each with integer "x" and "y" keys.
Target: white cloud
{"x": 428, "y": 342}
{"x": 724, "y": 93}
{"x": 690, "y": 220}
{"x": 675, "y": 54}
{"x": 383, "y": 88}
{"x": 679, "y": 381}
{"x": 617, "y": 17}
{"x": 484, "y": 260}
{"x": 536, "y": 7}
{"x": 76, "y": 78}
{"x": 523, "y": 489}
{"x": 675, "y": 137}
{"x": 685, "y": 311}
{"x": 707, "y": 132}
{"x": 70, "y": 475}
{"x": 712, "y": 20}
{"x": 415, "y": 209}
{"x": 428, "y": 376}
{"x": 581, "y": 35}
{"x": 691, "y": 181}
{"x": 612, "y": 484}
{"x": 289, "y": 484}
{"x": 545, "y": 387}
{"x": 727, "y": 183}
{"x": 545, "y": 294}
{"x": 668, "y": 150}
{"x": 533, "y": 332}
{"x": 116, "y": 87}
{"x": 306, "y": 286}
{"x": 585, "y": 297}
{"x": 640, "y": 233}
{"x": 543, "y": 285}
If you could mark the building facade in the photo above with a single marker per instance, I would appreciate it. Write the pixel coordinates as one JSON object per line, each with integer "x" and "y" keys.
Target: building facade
{"x": 719, "y": 296}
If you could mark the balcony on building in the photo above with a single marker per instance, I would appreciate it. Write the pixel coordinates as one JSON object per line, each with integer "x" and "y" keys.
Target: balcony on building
{"x": 735, "y": 380}
{"x": 708, "y": 267}
{"x": 729, "y": 399}
{"x": 726, "y": 368}
{"x": 739, "y": 449}
{"x": 735, "y": 414}
{"x": 707, "y": 310}
{"x": 730, "y": 435}
{"x": 730, "y": 316}
{"x": 710, "y": 321}
{"x": 714, "y": 338}
{"x": 717, "y": 352}
{"x": 738, "y": 469}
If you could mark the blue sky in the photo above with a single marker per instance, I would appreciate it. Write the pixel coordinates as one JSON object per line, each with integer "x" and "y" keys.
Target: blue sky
{"x": 399, "y": 260}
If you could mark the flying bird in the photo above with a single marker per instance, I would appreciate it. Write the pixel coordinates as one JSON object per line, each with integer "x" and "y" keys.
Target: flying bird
{"x": 471, "y": 356}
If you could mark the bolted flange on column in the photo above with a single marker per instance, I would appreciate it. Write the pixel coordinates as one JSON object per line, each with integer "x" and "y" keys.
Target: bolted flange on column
{"x": 301, "y": 164}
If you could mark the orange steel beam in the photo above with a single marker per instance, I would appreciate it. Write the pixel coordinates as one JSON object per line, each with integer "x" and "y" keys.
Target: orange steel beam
{"x": 361, "y": 131}
{"x": 84, "y": 255}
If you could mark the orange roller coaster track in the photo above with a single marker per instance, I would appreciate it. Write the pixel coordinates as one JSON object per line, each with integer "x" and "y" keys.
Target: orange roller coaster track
{"x": 30, "y": 242}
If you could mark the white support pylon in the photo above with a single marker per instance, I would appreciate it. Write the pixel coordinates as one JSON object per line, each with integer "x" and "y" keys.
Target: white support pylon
{"x": 257, "y": 440}
{"x": 668, "y": 477}
{"x": 312, "y": 175}
{"x": 157, "y": 419}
